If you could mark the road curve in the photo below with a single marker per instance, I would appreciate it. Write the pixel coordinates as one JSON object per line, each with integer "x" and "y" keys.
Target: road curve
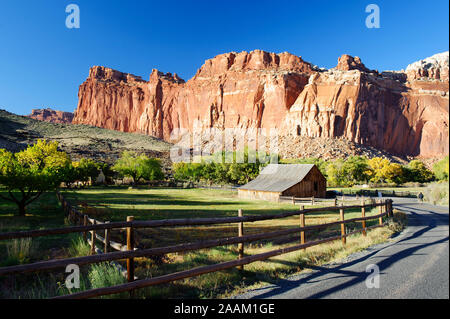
{"x": 415, "y": 264}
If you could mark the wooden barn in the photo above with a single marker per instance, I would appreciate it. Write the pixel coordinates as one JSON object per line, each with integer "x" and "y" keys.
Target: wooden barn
{"x": 275, "y": 180}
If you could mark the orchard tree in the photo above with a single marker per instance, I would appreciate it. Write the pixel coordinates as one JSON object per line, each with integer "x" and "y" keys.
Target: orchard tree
{"x": 418, "y": 172}
{"x": 440, "y": 169}
{"x": 377, "y": 169}
{"x": 336, "y": 173}
{"x": 29, "y": 173}
{"x": 393, "y": 173}
{"x": 88, "y": 170}
{"x": 83, "y": 171}
{"x": 138, "y": 167}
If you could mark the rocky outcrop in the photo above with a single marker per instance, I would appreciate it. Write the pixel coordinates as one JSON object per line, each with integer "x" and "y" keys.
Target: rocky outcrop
{"x": 401, "y": 118}
{"x": 434, "y": 67}
{"x": 405, "y": 113}
{"x": 52, "y": 116}
{"x": 348, "y": 63}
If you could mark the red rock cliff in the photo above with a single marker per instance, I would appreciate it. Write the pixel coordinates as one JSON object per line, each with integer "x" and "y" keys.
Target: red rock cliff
{"x": 405, "y": 113}
{"x": 52, "y": 116}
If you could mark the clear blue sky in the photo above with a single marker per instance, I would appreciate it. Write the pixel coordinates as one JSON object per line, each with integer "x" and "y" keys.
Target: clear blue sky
{"x": 42, "y": 63}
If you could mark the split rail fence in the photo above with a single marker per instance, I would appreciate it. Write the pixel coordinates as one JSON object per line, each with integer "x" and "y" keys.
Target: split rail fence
{"x": 338, "y": 200}
{"x": 86, "y": 225}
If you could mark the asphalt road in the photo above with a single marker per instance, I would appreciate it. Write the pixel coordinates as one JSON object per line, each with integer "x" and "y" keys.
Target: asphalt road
{"x": 415, "y": 264}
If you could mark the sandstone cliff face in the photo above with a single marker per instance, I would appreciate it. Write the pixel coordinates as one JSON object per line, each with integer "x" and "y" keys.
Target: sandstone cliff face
{"x": 51, "y": 116}
{"x": 246, "y": 90}
{"x": 405, "y": 113}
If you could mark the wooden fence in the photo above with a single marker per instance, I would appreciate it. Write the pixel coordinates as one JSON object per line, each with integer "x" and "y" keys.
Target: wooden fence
{"x": 86, "y": 225}
{"x": 338, "y": 200}
{"x": 384, "y": 192}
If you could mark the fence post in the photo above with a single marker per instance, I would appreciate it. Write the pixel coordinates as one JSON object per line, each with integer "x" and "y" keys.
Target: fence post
{"x": 363, "y": 214}
{"x": 293, "y": 200}
{"x": 240, "y": 234}
{"x": 344, "y": 238}
{"x": 107, "y": 238}
{"x": 380, "y": 209}
{"x": 85, "y": 223}
{"x": 335, "y": 202}
{"x": 93, "y": 240}
{"x": 130, "y": 247}
{"x": 391, "y": 212}
{"x": 312, "y": 200}
{"x": 302, "y": 224}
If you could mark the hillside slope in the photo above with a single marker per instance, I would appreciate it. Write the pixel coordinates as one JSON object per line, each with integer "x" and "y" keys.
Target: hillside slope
{"x": 77, "y": 140}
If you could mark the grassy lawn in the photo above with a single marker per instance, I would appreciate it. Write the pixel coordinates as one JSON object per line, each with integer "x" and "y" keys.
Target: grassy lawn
{"x": 162, "y": 203}
{"x": 41, "y": 214}
{"x": 116, "y": 203}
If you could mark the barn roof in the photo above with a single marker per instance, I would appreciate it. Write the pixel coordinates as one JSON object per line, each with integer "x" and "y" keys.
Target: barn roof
{"x": 278, "y": 177}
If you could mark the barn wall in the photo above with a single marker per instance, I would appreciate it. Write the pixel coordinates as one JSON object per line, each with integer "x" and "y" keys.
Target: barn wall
{"x": 305, "y": 188}
{"x": 251, "y": 194}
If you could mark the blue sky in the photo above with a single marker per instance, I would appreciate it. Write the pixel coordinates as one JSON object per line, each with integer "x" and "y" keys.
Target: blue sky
{"x": 42, "y": 63}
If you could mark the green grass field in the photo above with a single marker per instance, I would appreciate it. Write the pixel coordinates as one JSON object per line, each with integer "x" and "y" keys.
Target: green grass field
{"x": 116, "y": 203}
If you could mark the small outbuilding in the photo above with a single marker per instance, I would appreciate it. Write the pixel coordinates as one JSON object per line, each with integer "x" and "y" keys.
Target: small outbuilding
{"x": 275, "y": 180}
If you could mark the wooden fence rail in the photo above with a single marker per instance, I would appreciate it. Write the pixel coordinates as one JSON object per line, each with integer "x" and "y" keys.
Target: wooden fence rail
{"x": 130, "y": 252}
{"x": 168, "y": 223}
{"x": 320, "y": 201}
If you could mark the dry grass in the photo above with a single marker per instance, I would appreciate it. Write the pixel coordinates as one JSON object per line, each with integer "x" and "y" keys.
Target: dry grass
{"x": 227, "y": 283}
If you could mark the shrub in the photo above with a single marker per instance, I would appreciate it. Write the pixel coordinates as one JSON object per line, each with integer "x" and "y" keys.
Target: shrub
{"x": 136, "y": 166}
{"x": 440, "y": 169}
{"x": 19, "y": 251}
{"x": 79, "y": 248}
{"x": 437, "y": 193}
{"x": 105, "y": 275}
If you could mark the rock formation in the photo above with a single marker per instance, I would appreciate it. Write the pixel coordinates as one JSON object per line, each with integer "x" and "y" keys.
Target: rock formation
{"x": 404, "y": 112}
{"x": 52, "y": 116}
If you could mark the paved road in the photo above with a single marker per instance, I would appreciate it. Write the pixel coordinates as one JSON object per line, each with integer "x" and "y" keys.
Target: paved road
{"x": 414, "y": 265}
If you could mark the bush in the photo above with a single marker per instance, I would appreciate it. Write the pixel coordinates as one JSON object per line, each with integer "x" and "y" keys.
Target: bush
{"x": 19, "y": 251}
{"x": 136, "y": 166}
{"x": 440, "y": 169}
{"x": 437, "y": 193}
{"x": 79, "y": 248}
{"x": 105, "y": 275}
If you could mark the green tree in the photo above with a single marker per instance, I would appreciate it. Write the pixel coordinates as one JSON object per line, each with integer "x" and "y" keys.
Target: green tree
{"x": 138, "y": 167}
{"x": 336, "y": 173}
{"x": 377, "y": 169}
{"x": 355, "y": 170}
{"x": 418, "y": 172}
{"x": 440, "y": 169}
{"x": 393, "y": 173}
{"x": 88, "y": 170}
{"x": 37, "y": 169}
{"x": 242, "y": 173}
